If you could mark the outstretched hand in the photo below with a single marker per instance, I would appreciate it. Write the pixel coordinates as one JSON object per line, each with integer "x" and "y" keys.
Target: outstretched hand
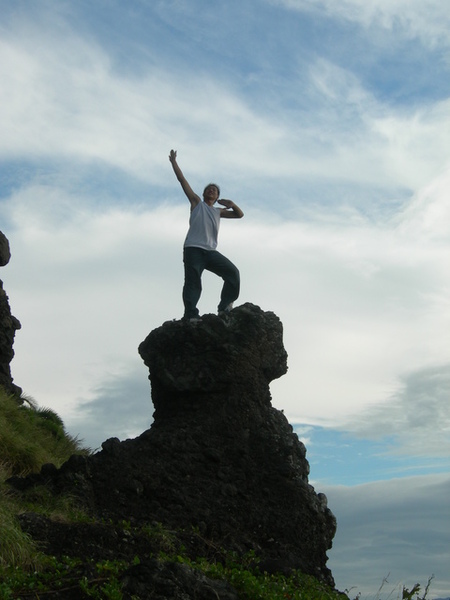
{"x": 173, "y": 155}
{"x": 226, "y": 203}
{"x": 231, "y": 210}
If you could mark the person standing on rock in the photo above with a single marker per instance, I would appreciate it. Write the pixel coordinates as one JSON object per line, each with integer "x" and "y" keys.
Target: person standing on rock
{"x": 199, "y": 252}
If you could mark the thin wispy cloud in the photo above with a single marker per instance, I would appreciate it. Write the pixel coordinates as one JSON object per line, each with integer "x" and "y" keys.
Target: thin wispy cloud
{"x": 428, "y": 21}
{"x": 416, "y": 416}
{"x": 99, "y": 113}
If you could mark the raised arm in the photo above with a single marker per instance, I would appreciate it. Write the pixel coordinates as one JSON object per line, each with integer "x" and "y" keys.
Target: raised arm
{"x": 192, "y": 196}
{"x": 231, "y": 210}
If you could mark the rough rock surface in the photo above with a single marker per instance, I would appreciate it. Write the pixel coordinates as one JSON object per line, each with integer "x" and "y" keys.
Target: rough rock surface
{"x": 5, "y": 253}
{"x": 241, "y": 473}
{"x": 8, "y": 327}
{"x": 219, "y": 463}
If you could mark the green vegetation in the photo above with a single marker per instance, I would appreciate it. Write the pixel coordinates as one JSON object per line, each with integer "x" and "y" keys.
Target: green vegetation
{"x": 253, "y": 584}
{"x": 64, "y": 575}
{"x": 31, "y": 437}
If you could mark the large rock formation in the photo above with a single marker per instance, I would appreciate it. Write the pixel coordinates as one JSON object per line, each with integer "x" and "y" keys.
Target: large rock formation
{"x": 219, "y": 462}
{"x": 237, "y": 470}
{"x": 8, "y": 327}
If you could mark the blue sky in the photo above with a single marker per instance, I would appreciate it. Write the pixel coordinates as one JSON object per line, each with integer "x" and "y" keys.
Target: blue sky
{"x": 329, "y": 124}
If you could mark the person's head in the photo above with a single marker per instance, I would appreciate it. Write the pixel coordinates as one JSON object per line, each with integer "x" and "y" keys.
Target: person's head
{"x": 211, "y": 193}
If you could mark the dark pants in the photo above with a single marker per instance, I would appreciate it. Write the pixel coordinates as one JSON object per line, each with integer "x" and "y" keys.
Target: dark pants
{"x": 196, "y": 260}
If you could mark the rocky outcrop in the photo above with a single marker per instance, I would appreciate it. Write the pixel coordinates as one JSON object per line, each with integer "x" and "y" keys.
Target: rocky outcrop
{"x": 8, "y": 327}
{"x": 5, "y": 253}
{"x": 238, "y": 470}
{"x": 219, "y": 462}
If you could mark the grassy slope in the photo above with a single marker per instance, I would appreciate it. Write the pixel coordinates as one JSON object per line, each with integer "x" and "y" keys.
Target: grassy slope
{"x": 29, "y": 438}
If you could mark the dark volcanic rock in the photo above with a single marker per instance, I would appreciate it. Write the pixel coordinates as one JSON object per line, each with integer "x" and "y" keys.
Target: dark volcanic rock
{"x": 8, "y": 327}
{"x": 214, "y": 361}
{"x": 237, "y": 468}
{"x": 5, "y": 253}
{"x": 219, "y": 462}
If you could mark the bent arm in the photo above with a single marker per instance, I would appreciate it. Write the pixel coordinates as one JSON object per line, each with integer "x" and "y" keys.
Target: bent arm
{"x": 191, "y": 195}
{"x": 231, "y": 210}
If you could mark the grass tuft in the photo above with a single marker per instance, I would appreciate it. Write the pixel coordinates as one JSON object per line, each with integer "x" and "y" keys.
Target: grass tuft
{"x": 16, "y": 548}
{"x": 31, "y": 437}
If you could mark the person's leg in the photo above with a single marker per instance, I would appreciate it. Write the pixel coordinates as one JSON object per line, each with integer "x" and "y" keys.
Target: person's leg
{"x": 194, "y": 264}
{"x": 221, "y": 266}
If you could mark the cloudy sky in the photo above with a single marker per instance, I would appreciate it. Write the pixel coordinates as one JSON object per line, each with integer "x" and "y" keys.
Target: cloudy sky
{"x": 329, "y": 124}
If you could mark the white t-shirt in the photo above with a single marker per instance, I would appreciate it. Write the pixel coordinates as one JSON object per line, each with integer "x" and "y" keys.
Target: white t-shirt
{"x": 204, "y": 225}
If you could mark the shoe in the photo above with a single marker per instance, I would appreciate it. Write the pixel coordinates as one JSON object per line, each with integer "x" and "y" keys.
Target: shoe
{"x": 192, "y": 320}
{"x": 226, "y": 310}
{"x": 195, "y": 320}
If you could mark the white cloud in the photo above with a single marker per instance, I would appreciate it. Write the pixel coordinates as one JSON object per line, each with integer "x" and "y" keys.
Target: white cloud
{"x": 64, "y": 101}
{"x": 426, "y": 217}
{"x": 361, "y": 303}
{"x": 427, "y": 20}
{"x": 351, "y": 287}
{"x": 87, "y": 290}
{"x": 358, "y": 137}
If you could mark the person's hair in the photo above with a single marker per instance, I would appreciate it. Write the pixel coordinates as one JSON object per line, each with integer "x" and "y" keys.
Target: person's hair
{"x": 214, "y": 185}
